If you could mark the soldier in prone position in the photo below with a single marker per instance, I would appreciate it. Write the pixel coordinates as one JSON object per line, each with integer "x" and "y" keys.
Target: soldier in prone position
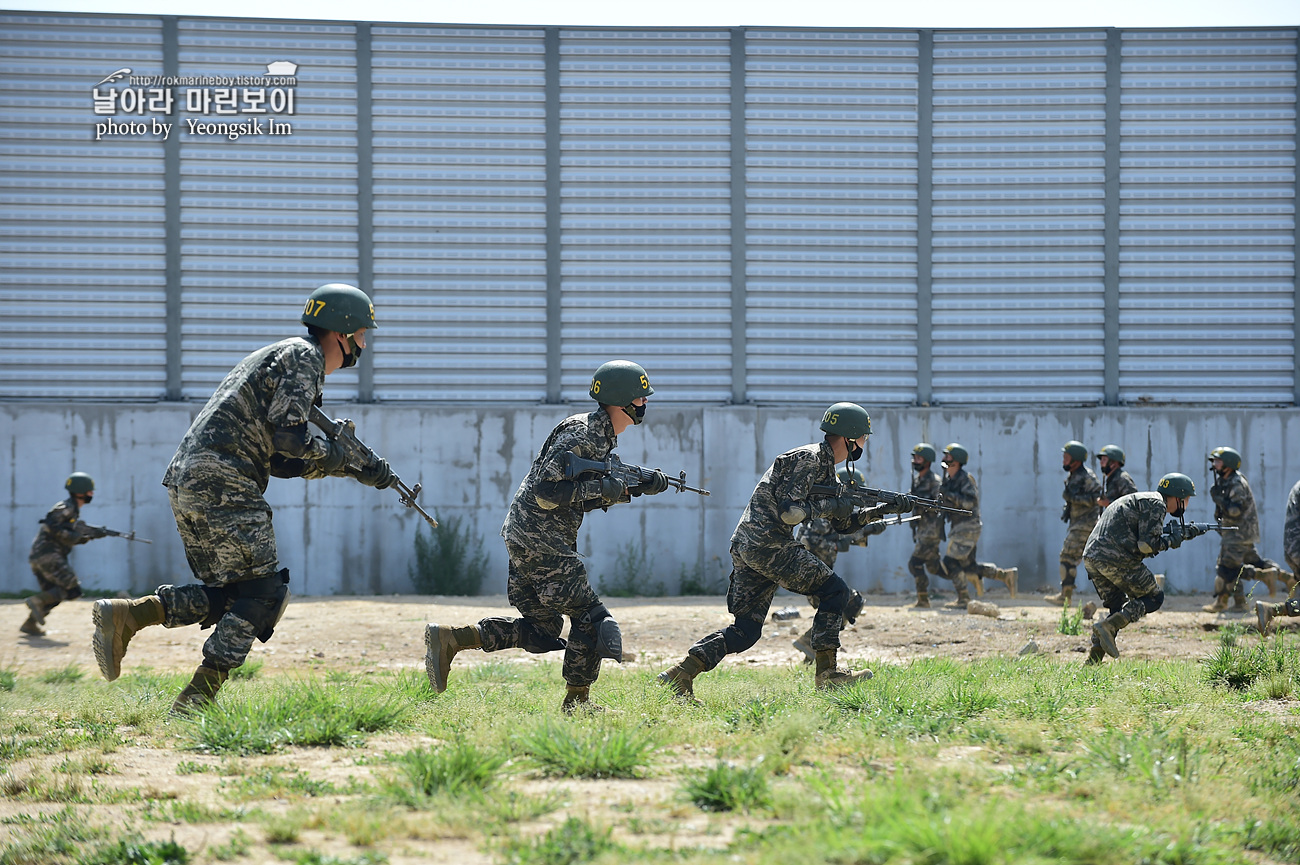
{"x": 1115, "y": 482}
{"x": 547, "y": 580}
{"x": 1130, "y": 530}
{"x": 1264, "y": 610}
{"x": 1234, "y": 505}
{"x": 254, "y": 426}
{"x": 765, "y": 556}
{"x": 959, "y": 490}
{"x": 1080, "y": 513}
{"x": 817, "y": 536}
{"x": 927, "y": 531}
{"x": 60, "y": 531}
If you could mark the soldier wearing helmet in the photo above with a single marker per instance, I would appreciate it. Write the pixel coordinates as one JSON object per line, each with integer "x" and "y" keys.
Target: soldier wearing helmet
{"x": 1130, "y": 530}
{"x": 254, "y": 426}
{"x": 927, "y": 532}
{"x": 817, "y": 536}
{"x": 1234, "y": 505}
{"x": 1079, "y": 513}
{"x": 60, "y": 531}
{"x": 1264, "y": 610}
{"x": 547, "y": 580}
{"x": 959, "y": 490}
{"x": 1115, "y": 482}
{"x": 765, "y": 556}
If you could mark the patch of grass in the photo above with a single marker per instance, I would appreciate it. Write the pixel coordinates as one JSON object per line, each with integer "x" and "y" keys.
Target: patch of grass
{"x": 248, "y": 669}
{"x": 727, "y": 787}
{"x": 310, "y": 714}
{"x": 1152, "y": 755}
{"x": 8, "y": 679}
{"x": 449, "y": 560}
{"x": 69, "y": 675}
{"x": 237, "y": 846}
{"x": 515, "y": 807}
{"x": 456, "y": 769}
{"x": 1071, "y": 621}
{"x": 315, "y": 857}
{"x": 189, "y": 767}
{"x": 573, "y": 842}
{"x": 632, "y": 575}
{"x": 137, "y": 852}
{"x": 285, "y": 828}
{"x": 274, "y": 782}
{"x": 88, "y": 764}
{"x": 41, "y": 839}
{"x": 573, "y": 751}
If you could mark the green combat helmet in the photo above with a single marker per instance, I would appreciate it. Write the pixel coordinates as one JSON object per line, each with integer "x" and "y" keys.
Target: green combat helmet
{"x": 1076, "y": 450}
{"x": 925, "y": 451}
{"x": 1177, "y": 486}
{"x": 1231, "y": 457}
{"x": 846, "y": 419}
{"x": 618, "y": 383}
{"x": 1114, "y": 453}
{"x": 957, "y": 452}
{"x": 341, "y": 308}
{"x": 854, "y": 477}
{"x": 79, "y": 483}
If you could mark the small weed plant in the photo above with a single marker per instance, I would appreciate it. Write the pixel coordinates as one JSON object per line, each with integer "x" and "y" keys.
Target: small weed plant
{"x": 68, "y": 675}
{"x": 632, "y": 575}
{"x": 573, "y": 842}
{"x": 573, "y": 751}
{"x": 1071, "y": 621}
{"x": 449, "y": 560}
{"x": 455, "y": 769}
{"x": 137, "y": 852}
{"x": 728, "y": 787}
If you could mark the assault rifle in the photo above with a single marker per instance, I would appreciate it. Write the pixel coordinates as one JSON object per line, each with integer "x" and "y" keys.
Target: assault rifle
{"x": 358, "y": 456}
{"x": 1186, "y": 531}
{"x": 865, "y": 497}
{"x": 106, "y": 532}
{"x": 632, "y": 476}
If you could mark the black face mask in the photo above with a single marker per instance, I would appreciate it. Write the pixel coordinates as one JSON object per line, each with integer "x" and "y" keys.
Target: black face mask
{"x": 89, "y": 498}
{"x": 636, "y": 412}
{"x": 855, "y": 451}
{"x": 1182, "y": 509}
{"x": 918, "y": 467}
{"x": 1109, "y": 469}
{"x": 1068, "y": 468}
{"x": 354, "y": 354}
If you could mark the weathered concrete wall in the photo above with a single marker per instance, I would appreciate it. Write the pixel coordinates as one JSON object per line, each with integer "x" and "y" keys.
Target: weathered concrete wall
{"x": 338, "y": 537}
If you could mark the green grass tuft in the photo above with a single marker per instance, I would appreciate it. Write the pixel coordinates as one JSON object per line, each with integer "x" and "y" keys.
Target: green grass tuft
{"x": 573, "y": 751}
{"x": 69, "y": 675}
{"x": 727, "y": 787}
{"x": 136, "y": 852}
{"x": 456, "y": 769}
{"x": 573, "y": 842}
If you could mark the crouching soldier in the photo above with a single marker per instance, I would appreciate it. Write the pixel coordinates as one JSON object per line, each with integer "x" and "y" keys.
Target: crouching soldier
{"x": 547, "y": 580}
{"x": 765, "y": 556}
{"x": 1264, "y": 610}
{"x": 60, "y": 531}
{"x": 1130, "y": 530}
{"x": 254, "y": 426}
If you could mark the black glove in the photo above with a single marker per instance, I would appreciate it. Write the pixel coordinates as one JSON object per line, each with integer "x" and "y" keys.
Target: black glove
{"x": 837, "y": 509}
{"x": 901, "y": 505}
{"x": 1191, "y": 530}
{"x": 1065, "y": 513}
{"x": 1174, "y": 539}
{"x": 286, "y": 467}
{"x": 379, "y": 475}
{"x": 612, "y": 489}
{"x": 657, "y": 483}
{"x": 335, "y": 457}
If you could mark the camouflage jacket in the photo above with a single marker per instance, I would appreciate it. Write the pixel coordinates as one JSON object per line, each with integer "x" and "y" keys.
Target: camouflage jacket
{"x": 790, "y": 478}
{"x": 1117, "y": 484}
{"x": 819, "y": 536}
{"x": 59, "y": 531}
{"x": 1124, "y": 529}
{"x": 1081, "y": 493}
{"x": 1234, "y": 505}
{"x": 533, "y": 525}
{"x": 926, "y": 485}
{"x": 961, "y": 491}
{"x": 1291, "y": 529}
{"x": 229, "y": 445}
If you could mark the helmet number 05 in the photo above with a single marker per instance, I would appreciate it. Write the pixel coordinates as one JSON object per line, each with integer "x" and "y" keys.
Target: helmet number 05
{"x": 833, "y": 417}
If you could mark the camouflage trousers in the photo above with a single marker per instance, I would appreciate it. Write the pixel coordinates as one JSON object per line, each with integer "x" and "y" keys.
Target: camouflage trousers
{"x": 1076, "y": 537}
{"x": 223, "y": 545}
{"x": 757, "y": 572}
{"x": 1232, "y": 555}
{"x": 925, "y": 556}
{"x": 1118, "y": 583}
{"x": 546, "y": 587}
{"x": 959, "y": 559}
{"x": 55, "y": 576}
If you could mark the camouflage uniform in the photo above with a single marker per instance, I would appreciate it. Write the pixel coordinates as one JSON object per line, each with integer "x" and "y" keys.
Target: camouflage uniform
{"x": 820, "y": 539}
{"x": 1081, "y": 511}
{"x": 547, "y": 580}
{"x": 1117, "y": 484}
{"x": 58, "y": 534}
{"x": 961, "y": 491}
{"x": 216, "y": 483}
{"x": 765, "y": 557}
{"x": 1114, "y": 552}
{"x": 927, "y": 532}
{"x": 1234, "y": 505}
{"x": 1291, "y": 548}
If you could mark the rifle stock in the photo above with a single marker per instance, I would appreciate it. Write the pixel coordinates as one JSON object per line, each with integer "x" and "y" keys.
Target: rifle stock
{"x": 629, "y": 474}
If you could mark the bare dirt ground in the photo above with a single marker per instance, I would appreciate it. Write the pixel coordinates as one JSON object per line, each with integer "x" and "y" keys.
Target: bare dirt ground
{"x": 378, "y": 633}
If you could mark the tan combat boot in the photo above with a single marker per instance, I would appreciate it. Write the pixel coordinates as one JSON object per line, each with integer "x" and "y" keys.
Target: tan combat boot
{"x": 1010, "y": 576}
{"x": 804, "y": 644}
{"x": 1105, "y": 631}
{"x": 578, "y": 699}
{"x": 1264, "y": 612}
{"x": 200, "y": 691}
{"x": 681, "y": 678}
{"x": 1219, "y": 604}
{"x": 829, "y": 676}
{"x": 40, "y": 604}
{"x": 963, "y": 594}
{"x": 1061, "y": 598}
{"x": 1096, "y": 654}
{"x": 116, "y": 622}
{"x": 978, "y": 580}
{"x": 922, "y": 601}
{"x": 31, "y": 628}
{"x": 441, "y": 643}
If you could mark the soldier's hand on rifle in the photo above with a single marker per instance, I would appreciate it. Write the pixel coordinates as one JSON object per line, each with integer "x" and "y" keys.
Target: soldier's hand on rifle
{"x": 607, "y": 488}
{"x": 379, "y": 475}
{"x": 1175, "y": 535}
{"x": 838, "y": 508}
{"x": 657, "y": 484}
{"x": 1191, "y": 530}
{"x": 900, "y": 505}
{"x": 335, "y": 457}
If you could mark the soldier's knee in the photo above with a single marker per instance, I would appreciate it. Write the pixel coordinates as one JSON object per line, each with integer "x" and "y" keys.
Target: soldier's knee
{"x": 916, "y": 565}
{"x": 742, "y": 634}
{"x": 1228, "y": 573}
{"x": 1151, "y": 603}
{"x": 536, "y": 638}
{"x": 952, "y": 567}
{"x": 1068, "y": 571}
{"x": 834, "y": 595}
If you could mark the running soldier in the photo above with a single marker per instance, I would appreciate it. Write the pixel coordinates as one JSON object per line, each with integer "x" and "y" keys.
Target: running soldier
{"x": 547, "y": 580}
{"x": 927, "y": 530}
{"x": 959, "y": 490}
{"x": 1234, "y": 505}
{"x": 1129, "y": 531}
{"x": 60, "y": 531}
{"x": 825, "y": 543}
{"x": 1080, "y": 513}
{"x": 254, "y": 426}
{"x": 1264, "y": 610}
{"x": 766, "y": 557}
{"x": 1115, "y": 482}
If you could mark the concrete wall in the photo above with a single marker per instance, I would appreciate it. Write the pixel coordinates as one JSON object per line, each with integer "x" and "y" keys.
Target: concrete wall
{"x": 338, "y": 537}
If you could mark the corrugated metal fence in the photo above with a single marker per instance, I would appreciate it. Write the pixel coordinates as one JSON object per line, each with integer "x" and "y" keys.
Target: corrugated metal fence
{"x": 757, "y": 215}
